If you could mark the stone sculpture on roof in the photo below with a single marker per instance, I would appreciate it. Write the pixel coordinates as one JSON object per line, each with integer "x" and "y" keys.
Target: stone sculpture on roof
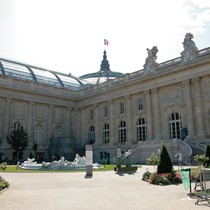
{"x": 150, "y": 63}
{"x": 190, "y": 50}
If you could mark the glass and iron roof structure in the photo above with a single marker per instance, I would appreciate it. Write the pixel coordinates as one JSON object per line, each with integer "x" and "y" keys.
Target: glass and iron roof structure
{"x": 103, "y": 75}
{"x": 31, "y": 73}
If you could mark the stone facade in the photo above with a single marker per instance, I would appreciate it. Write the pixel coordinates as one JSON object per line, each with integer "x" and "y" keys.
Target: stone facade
{"x": 146, "y": 105}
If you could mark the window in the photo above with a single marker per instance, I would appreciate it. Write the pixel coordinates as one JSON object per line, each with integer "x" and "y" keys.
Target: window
{"x": 141, "y": 129}
{"x": 91, "y": 135}
{"x": 92, "y": 128}
{"x": 38, "y": 132}
{"x": 175, "y": 125}
{"x": 140, "y": 104}
{"x": 122, "y": 108}
{"x": 122, "y": 131}
{"x": 16, "y": 125}
{"x": 91, "y": 114}
{"x": 58, "y": 132}
{"x": 106, "y": 134}
{"x": 105, "y": 111}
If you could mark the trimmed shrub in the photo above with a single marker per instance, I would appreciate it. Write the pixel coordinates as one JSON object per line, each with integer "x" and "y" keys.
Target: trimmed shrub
{"x": 165, "y": 165}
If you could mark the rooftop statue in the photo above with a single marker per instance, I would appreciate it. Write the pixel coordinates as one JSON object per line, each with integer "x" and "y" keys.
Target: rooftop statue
{"x": 150, "y": 62}
{"x": 190, "y": 49}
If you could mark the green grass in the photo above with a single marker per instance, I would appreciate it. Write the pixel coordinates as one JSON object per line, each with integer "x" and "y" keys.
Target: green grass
{"x": 13, "y": 169}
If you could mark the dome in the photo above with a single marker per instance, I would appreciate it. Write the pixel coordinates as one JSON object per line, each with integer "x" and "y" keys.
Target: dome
{"x": 103, "y": 75}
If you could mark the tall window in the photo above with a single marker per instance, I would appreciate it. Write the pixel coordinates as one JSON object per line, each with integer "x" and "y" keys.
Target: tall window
{"x": 91, "y": 114}
{"x": 16, "y": 125}
{"x": 122, "y": 131}
{"x": 140, "y": 104}
{"x": 122, "y": 108}
{"x": 58, "y": 132}
{"x": 38, "y": 133}
{"x": 92, "y": 128}
{"x": 175, "y": 125}
{"x": 106, "y": 133}
{"x": 105, "y": 111}
{"x": 141, "y": 129}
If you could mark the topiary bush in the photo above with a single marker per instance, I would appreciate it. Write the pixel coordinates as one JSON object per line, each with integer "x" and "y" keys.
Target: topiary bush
{"x": 165, "y": 164}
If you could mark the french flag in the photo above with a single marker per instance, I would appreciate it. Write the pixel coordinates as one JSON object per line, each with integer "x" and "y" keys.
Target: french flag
{"x": 106, "y": 42}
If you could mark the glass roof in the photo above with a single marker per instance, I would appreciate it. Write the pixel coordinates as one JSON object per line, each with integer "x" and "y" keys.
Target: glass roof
{"x": 103, "y": 75}
{"x": 27, "y": 72}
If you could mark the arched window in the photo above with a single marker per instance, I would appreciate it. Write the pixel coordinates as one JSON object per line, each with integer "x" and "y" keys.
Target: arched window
{"x": 38, "y": 134}
{"x": 58, "y": 132}
{"x": 175, "y": 125}
{"x": 141, "y": 129}
{"x": 106, "y": 133}
{"x": 122, "y": 131}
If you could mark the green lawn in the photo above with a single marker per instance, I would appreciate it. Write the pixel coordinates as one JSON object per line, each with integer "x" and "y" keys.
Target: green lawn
{"x": 13, "y": 169}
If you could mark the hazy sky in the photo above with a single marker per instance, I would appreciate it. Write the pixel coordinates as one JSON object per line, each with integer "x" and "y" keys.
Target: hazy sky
{"x": 68, "y": 35}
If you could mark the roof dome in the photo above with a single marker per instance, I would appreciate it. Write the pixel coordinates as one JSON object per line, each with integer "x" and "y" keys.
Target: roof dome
{"x": 103, "y": 75}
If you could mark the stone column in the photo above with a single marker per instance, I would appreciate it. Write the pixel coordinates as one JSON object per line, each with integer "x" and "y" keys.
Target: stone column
{"x": 78, "y": 126}
{"x": 149, "y": 115}
{"x": 156, "y": 114}
{"x": 84, "y": 135}
{"x": 189, "y": 107}
{"x": 30, "y": 122}
{"x": 98, "y": 140}
{"x": 7, "y": 113}
{"x": 199, "y": 108}
{"x": 112, "y": 122}
{"x": 129, "y": 120}
{"x": 50, "y": 123}
{"x": 68, "y": 121}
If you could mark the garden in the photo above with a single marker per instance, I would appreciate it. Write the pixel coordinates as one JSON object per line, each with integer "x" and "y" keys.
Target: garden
{"x": 165, "y": 173}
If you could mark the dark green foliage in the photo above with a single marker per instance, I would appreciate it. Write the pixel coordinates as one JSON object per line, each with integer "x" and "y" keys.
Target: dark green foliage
{"x": 165, "y": 165}
{"x": 146, "y": 175}
{"x": 3, "y": 183}
{"x": 207, "y": 154}
{"x": 161, "y": 180}
{"x": 18, "y": 139}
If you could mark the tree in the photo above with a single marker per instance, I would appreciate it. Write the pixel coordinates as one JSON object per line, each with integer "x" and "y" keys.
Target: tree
{"x": 165, "y": 164}
{"x": 18, "y": 139}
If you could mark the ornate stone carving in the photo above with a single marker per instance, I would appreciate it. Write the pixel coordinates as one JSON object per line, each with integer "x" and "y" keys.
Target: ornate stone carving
{"x": 190, "y": 50}
{"x": 150, "y": 63}
{"x": 173, "y": 98}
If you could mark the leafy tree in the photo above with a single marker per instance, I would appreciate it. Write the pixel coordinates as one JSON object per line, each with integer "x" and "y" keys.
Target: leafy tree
{"x": 165, "y": 164}
{"x": 18, "y": 139}
{"x": 207, "y": 154}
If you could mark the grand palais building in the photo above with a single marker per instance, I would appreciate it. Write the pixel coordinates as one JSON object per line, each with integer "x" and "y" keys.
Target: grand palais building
{"x": 165, "y": 102}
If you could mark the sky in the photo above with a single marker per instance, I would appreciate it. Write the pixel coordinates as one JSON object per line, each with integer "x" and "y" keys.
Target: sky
{"x": 67, "y": 36}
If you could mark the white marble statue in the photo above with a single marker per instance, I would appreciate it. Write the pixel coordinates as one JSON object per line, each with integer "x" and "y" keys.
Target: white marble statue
{"x": 190, "y": 50}
{"x": 62, "y": 164}
{"x": 150, "y": 62}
